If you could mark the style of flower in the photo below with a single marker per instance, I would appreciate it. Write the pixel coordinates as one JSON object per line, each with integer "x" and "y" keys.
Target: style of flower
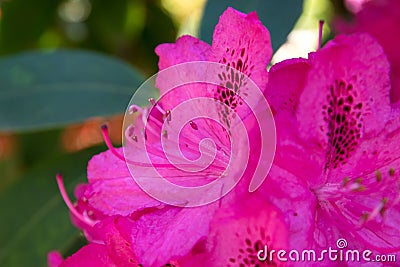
{"x": 337, "y": 163}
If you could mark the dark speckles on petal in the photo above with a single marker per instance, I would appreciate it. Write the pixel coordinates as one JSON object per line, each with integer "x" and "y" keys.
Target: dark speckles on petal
{"x": 343, "y": 115}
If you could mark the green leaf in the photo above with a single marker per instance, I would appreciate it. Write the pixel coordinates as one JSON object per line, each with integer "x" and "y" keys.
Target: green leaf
{"x": 34, "y": 219}
{"x": 52, "y": 89}
{"x": 279, "y": 16}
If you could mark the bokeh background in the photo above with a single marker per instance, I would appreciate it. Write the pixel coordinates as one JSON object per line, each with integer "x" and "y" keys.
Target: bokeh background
{"x": 68, "y": 66}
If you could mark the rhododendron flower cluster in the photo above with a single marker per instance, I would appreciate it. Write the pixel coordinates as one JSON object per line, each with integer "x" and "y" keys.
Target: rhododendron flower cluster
{"x": 335, "y": 175}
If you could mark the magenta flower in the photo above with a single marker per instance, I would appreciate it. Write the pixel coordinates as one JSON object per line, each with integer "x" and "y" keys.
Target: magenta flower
{"x": 338, "y": 153}
{"x": 381, "y": 19}
{"x": 247, "y": 54}
{"x": 158, "y": 233}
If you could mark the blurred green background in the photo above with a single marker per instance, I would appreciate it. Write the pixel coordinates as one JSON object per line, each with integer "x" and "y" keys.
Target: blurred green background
{"x": 68, "y": 66}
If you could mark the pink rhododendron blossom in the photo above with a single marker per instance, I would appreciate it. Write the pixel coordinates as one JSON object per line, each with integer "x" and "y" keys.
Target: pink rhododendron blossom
{"x": 381, "y": 19}
{"x": 249, "y": 52}
{"x": 337, "y": 162}
{"x": 156, "y": 232}
{"x": 335, "y": 174}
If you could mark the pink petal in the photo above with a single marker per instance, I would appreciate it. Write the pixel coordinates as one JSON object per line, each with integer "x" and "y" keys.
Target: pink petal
{"x": 107, "y": 166}
{"x": 170, "y": 233}
{"x": 92, "y": 255}
{"x": 349, "y": 97}
{"x": 119, "y": 196}
{"x": 241, "y": 41}
{"x": 111, "y": 189}
{"x": 185, "y": 49}
{"x": 286, "y": 83}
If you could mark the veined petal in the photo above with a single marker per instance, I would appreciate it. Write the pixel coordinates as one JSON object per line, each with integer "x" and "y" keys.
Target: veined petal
{"x": 346, "y": 97}
{"x": 286, "y": 83}
{"x": 119, "y": 196}
{"x": 106, "y": 166}
{"x": 170, "y": 233}
{"x": 241, "y": 41}
{"x": 185, "y": 49}
{"x": 111, "y": 189}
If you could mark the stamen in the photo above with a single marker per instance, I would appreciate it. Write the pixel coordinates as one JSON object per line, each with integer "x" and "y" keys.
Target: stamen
{"x": 130, "y": 133}
{"x": 167, "y": 115}
{"x": 357, "y": 187}
{"x": 193, "y": 125}
{"x": 152, "y": 101}
{"x": 364, "y": 217}
{"x": 69, "y": 204}
{"x": 320, "y": 32}
{"x": 134, "y": 108}
{"x": 354, "y": 186}
{"x": 391, "y": 172}
{"x": 130, "y": 130}
{"x": 165, "y": 133}
{"x": 378, "y": 175}
{"x": 380, "y": 209}
{"x": 383, "y": 209}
